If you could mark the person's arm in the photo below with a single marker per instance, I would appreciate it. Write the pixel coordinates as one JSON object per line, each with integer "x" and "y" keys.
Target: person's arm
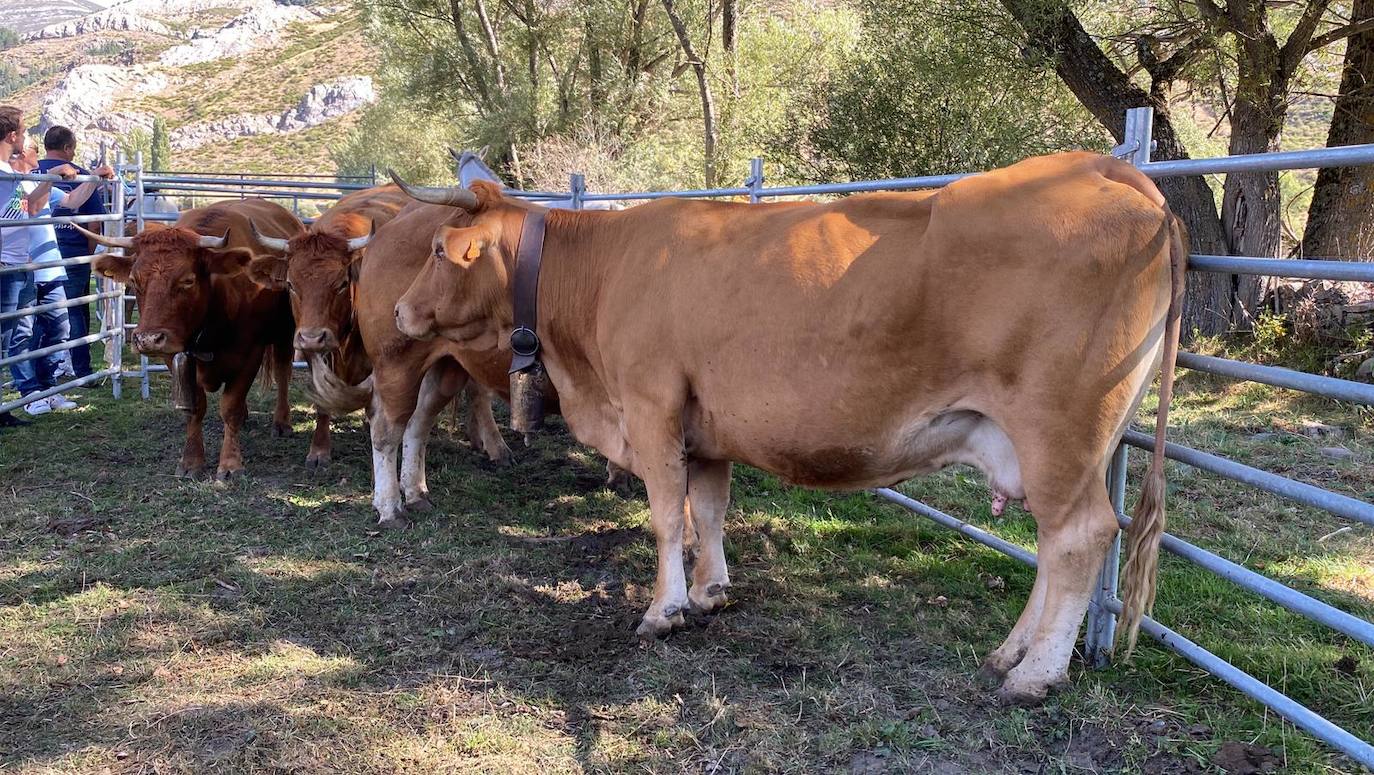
{"x": 38, "y": 198}
{"x": 78, "y": 196}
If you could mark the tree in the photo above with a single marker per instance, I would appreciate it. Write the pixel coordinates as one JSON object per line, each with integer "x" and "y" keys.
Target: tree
{"x": 708, "y": 103}
{"x": 1340, "y": 220}
{"x": 1263, "y": 70}
{"x": 160, "y": 152}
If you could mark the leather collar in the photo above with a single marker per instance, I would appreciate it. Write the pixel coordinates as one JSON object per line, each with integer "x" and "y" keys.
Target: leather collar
{"x": 524, "y": 342}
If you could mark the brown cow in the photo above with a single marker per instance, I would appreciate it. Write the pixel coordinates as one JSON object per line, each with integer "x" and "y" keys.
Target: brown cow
{"x": 316, "y": 266}
{"x": 194, "y": 297}
{"x": 411, "y": 381}
{"x": 1011, "y": 321}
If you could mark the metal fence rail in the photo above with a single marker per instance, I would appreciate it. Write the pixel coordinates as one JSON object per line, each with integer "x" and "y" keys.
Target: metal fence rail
{"x": 1105, "y": 605}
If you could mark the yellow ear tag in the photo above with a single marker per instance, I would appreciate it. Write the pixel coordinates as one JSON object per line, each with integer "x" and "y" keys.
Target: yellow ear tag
{"x": 473, "y": 251}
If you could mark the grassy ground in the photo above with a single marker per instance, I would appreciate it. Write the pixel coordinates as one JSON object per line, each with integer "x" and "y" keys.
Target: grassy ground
{"x": 149, "y": 624}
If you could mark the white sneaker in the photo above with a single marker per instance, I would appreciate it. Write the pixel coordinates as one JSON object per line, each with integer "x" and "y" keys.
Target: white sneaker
{"x": 41, "y": 406}
{"x": 61, "y": 402}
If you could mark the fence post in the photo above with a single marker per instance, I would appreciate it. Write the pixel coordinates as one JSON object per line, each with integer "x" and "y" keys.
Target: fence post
{"x": 577, "y": 184}
{"x": 1101, "y": 629}
{"x": 755, "y": 181}
{"x": 145, "y": 386}
{"x": 115, "y": 317}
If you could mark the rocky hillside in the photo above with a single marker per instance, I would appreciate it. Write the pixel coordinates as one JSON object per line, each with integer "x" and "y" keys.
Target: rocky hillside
{"x": 243, "y": 85}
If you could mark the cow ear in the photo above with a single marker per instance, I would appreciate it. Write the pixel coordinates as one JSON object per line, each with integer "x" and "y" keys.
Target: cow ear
{"x": 268, "y": 271}
{"x": 117, "y": 268}
{"x": 462, "y": 247}
{"x": 229, "y": 261}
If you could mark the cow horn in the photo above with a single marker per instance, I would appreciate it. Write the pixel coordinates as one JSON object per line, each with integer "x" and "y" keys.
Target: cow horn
{"x": 214, "y": 243}
{"x": 358, "y": 243}
{"x": 455, "y": 196}
{"x": 276, "y": 244}
{"x": 109, "y": 242}
{"x": 455, "y": 154}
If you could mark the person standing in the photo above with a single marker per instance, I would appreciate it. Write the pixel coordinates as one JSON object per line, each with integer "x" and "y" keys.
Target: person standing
{"x": 16, "y": 288}
{"x": 59, "y": 146}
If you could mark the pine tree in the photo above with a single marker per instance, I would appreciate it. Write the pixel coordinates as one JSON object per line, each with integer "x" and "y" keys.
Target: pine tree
{"x": 161, "y": 154}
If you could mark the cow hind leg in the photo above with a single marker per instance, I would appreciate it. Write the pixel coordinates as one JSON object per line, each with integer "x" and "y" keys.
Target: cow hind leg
{"x": 1072, "y": 544}
{"x": 233, "y": 410}
{"x": 708, "y": 498}
{"x": 281, "y": 372}
{"x": 437, "y": 389}
{"x": 482, "y": 429}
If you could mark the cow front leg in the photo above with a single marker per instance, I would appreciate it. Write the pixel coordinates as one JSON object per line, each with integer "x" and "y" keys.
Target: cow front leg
{"x": 192, "y": 463}
{"x": 437, "y": 389}
{"x": 708, "y": 498}
{"x": 320, "y": 445}
{"x": 482, "y": 429}
{"x": 1072, "y": 545}
{"x": 660, "y": 462}
{"x": 233, "y": 410}
{"x": 386, "y": 441}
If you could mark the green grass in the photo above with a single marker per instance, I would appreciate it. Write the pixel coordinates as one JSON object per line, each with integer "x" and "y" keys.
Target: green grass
{"x": 150, "y": 623}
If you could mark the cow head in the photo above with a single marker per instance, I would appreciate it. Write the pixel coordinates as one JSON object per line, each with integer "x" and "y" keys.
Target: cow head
{"x": 317, "y": 268}
{"x": 169, "y": 271}
{"x": 463, "y": 292}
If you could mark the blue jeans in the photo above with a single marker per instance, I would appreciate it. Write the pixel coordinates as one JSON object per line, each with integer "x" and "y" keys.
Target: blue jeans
{"x": 50, "y": 328}
{"x": 16, "y": 291}
{"x": 79, "y": 284}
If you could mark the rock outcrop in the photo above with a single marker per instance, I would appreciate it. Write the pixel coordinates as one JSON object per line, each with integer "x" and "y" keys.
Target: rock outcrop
{"x": 324, "y": 102}
{"x": 260, "y": 26}
{"x": 104, "y": 21}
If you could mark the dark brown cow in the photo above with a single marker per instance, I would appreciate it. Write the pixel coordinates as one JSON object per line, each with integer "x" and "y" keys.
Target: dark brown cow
{"x": 194, "y": 297}
{"x": 411, "y": 380}
{"x": 1011, "y": 321}
{"x": 317, "y": 267}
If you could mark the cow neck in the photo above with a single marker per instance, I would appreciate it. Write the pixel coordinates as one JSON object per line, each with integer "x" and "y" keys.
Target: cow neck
{"x": 529, "y": 254}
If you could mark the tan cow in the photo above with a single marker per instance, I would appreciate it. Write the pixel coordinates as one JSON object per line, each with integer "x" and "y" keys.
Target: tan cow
{"x": 411, "y": 381}
{"x": 1011, "y": 321}
{"x": 194, "y": 297}
{"x": 317, "y": 267}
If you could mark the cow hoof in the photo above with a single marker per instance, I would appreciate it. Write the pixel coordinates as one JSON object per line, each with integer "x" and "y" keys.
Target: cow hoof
{"x": 190, "y": 472}
{"x": 655, "y": 627}
{"x": 393, "y": 523}
{"x": 420, "y": 504}
{"x": 315, "y": 463}
{"x": 1022, "y": 697}
{"x": 281, "y": 430}
{"x": 713, "y": 599}
{"x": 229, "y": 474}
{"x": 503, "y": 457}
{"x": 989, "y": 675}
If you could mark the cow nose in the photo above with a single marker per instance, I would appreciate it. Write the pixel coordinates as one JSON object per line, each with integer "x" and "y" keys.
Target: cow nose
{"x": 308, "y": 338}
{"x": 150, "y": 341}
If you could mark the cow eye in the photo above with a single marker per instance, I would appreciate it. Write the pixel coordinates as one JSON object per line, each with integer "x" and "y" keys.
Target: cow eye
{"x": 341, "y": 286}
{"x": 289, "y": 287}
{"x": 439, "y": 253}
{"x": 187, "y": 282}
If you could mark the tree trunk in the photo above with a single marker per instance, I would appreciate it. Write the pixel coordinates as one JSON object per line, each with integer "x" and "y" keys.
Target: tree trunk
{"x": 708, "y": 104}
{"x": 1056, "y": 33}
{"x": 1340, "y": 221}
{"x": 729, "y": 34}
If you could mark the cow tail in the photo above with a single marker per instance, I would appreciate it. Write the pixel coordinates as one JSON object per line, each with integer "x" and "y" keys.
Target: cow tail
{"x": 267, "y": 376}
{"x": 1147, "y": 525}
{"x": 332, "y": 394}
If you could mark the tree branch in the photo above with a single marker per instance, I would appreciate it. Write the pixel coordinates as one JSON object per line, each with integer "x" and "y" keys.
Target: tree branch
{"x": 1340, "y": 33}
{"x": 1296, "y": 47}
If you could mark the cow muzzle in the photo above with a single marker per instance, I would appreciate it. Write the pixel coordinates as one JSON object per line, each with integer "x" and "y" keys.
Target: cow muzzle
{"x": 316, "y": 340}
{"x": 413, "y": 324}
{"x": 155, "y": 342}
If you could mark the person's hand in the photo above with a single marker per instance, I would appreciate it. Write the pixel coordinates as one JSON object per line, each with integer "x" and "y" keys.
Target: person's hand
{"x": 104, "y": 171}
{"x": 64, "y": 171}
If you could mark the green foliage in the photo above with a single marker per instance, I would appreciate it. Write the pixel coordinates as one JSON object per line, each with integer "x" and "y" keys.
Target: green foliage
{"x": 110, "y": 48}
{"x": 159, "y": 146}
{"x": 9, "y": 38}
{"x": 928, "y": 91}
{"x": 12, "y": 80}
{"x": 136, "y": 141}
{"x": 393, "y": 134}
